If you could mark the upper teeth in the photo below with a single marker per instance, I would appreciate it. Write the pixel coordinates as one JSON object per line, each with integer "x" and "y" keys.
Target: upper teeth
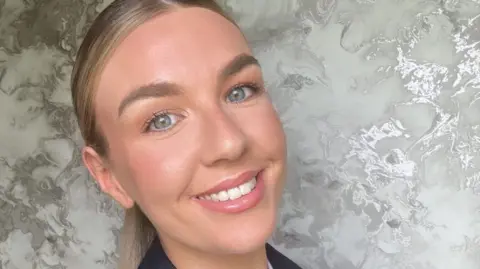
{"x": 233, "y": 193}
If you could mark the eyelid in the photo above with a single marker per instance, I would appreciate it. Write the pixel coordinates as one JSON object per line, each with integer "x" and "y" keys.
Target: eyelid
{"x": 245, "y": 84}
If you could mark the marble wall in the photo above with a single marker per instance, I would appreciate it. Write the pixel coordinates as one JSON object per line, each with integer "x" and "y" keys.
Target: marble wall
{"x": 379, "y": 98}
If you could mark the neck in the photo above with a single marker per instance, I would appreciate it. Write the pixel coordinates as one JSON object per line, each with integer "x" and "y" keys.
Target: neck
{"x": 184, "y": 257}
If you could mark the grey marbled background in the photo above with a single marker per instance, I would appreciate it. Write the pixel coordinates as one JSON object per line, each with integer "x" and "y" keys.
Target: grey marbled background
{"x": 380, "y": 101}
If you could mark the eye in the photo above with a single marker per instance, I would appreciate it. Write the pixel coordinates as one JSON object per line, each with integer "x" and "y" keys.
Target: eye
{"x": 162, "y": 122}
{"x": 241, "y": 93}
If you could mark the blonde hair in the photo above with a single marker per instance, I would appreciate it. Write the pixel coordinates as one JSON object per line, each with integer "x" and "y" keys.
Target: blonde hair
{"x": 110, "y": 27}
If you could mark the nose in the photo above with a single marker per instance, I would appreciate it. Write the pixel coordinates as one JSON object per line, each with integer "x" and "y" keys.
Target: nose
{"x": 224, "y": 139}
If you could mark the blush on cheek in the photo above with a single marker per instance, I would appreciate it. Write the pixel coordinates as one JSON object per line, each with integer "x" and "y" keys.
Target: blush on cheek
{"x": 144, "y": 169}
{"x": 160, "y": 171}
{"x": 268, "y": 130}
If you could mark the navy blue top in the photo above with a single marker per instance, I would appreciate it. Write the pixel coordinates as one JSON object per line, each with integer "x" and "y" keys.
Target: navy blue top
{"x": 155, "y": 258}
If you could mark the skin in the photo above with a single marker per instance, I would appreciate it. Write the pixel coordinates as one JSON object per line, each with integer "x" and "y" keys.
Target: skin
{"x": 201, "y": 138}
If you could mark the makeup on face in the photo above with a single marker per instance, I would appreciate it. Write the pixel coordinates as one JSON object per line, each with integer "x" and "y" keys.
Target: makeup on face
{"x": 196, "y": 141}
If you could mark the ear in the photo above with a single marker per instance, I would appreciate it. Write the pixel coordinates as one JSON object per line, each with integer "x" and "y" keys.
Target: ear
{"x": 104, "y": 176}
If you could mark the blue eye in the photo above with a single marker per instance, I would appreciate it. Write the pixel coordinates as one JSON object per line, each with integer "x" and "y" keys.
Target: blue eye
{"x": 241, "y": 93}
{"x": 162, "y": 122}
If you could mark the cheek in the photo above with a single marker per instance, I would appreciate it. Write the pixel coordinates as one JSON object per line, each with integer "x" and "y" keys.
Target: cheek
{"x": 158, "y": 169}
{"x": 263, "y": 126}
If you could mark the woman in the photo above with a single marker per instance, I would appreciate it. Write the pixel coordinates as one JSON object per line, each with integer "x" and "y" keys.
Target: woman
{"x": 180, "y": 131}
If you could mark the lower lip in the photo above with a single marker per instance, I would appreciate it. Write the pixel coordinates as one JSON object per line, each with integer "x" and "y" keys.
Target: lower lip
{"x": 238, "y": 205}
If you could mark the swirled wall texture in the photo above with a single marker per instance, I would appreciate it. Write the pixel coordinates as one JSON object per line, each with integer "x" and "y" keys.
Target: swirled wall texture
{"x": 380, "y": 101}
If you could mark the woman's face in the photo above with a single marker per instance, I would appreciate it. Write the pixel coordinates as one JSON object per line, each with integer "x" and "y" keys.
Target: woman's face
{"x": 193, "y": 137}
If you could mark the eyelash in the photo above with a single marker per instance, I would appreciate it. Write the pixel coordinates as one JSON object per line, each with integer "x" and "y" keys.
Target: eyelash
{"x": 150, "y": 120}
{"x": 256, "y": 88}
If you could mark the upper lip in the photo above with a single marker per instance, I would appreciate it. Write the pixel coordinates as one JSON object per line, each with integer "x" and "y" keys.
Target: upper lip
{"x": 231, "y": 182}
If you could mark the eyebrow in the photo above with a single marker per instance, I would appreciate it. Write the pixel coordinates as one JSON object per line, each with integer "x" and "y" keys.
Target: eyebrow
{"x": 165, "y": 89}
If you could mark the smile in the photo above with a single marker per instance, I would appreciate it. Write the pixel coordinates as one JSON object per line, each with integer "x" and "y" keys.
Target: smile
{"x": 235, "y": 195}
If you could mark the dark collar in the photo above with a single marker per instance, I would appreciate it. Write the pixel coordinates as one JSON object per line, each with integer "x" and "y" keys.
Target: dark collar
{"x": 155, "y": 258}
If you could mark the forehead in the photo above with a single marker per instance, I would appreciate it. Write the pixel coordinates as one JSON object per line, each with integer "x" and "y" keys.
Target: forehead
{"x": 184, "y": 46}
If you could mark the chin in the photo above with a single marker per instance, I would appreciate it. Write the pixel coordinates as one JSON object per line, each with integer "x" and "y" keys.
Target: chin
{"x": 245, "y": 236}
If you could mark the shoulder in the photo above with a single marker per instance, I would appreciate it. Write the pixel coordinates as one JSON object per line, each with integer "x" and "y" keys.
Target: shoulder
{"x": 278, "y": 260}
{"x": 155, "y": 257}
